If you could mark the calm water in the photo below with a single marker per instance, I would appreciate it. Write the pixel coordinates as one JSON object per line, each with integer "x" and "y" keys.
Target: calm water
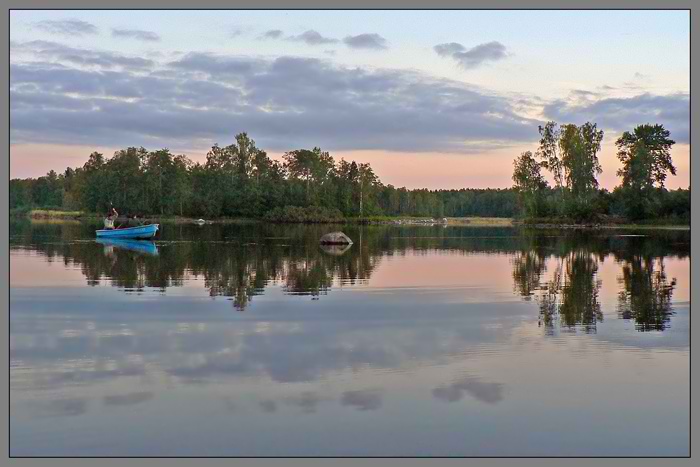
{"x": 417, "y": 341}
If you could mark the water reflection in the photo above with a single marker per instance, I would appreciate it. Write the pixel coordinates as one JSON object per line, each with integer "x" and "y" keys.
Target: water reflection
{"x": 490, "y": 393}
{"x": 647, "y": 292}
{"x": 141, "y": 246}
{"x": 407, "y": 325}
{"x": 569, "y": 298}
{"x": 127, "y": 399}
{"x": 64, "y": 407}
{"x": 366, "y": 399}
{"x": 558, "y": 270}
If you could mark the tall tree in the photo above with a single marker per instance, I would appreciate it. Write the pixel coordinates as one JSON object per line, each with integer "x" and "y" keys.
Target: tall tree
{"x": 179, "y": 178}
{"x": 549, "y": 151}
{"x": 529, "y": 183}
{"x": 309, "y": 166}
{"x": 368, "y": 183}
{"x": 93, "y": 183}
{"x": 125, "y": 181}
{"x": 645, "y": 154}
{"x": 158, "y": 165}
{"x": 579, "y": 150}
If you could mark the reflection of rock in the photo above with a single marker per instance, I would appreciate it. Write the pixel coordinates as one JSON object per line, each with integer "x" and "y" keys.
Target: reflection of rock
{"x": 335, "y": 238}
{"x": 335, "y": 250}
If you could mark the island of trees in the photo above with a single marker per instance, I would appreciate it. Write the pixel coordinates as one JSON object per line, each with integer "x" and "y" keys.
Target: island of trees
{"x": 240, "y": 180}
{"x": 570, "y": 154}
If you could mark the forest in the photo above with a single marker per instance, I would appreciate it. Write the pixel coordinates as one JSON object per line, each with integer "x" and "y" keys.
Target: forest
{"x": 309, "y": 185}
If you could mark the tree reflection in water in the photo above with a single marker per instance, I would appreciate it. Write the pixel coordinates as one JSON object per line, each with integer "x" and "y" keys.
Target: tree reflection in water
{"x": 646, "y": 294}
{"x": 570, "y": 298}
{"x": 241, "y": 261}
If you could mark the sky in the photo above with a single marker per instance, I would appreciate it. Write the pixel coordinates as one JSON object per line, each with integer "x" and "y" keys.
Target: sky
{"x": 432, "y": 99}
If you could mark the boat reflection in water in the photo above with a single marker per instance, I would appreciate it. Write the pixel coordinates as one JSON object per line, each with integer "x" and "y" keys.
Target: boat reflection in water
{"x": 248, "y": 339}
{"x": 559, "y": 271}
{"x": 140, "y": 246}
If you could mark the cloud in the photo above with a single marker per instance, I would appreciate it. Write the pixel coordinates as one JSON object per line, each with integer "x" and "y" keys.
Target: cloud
{"x": 366, "y": 41}
{"x": 62, "y": 56}
{"x": 490, "y": 393}
{"x": 474, "y": 57}
{"x": 283, "y": 103}
{"x": 272, "y": 34}
{"x": 312, "y": 37}
{"x": 583, "y": 93}
{"x": 625, "y": 113}
{"x": 67, "y": 27}
{"x": 449, "y": 49}
{"x": 137, "y": 34}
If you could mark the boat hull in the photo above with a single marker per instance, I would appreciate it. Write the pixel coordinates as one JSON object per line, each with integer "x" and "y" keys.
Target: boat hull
{"x": 140, "y": 232}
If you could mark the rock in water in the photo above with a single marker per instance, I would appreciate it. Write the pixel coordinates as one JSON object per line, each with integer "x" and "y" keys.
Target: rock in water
{"x": 335, "y": 238}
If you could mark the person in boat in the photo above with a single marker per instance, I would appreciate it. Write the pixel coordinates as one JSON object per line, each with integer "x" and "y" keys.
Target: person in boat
{"x": 136, "y": 221}
{"x": 112, "y": 215}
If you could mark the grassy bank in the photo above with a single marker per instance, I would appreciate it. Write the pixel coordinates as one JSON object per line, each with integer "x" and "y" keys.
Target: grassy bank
{"x": 51, "y": 214}
{"x": 303, "y": 216}
{"x": 604, "y": 226}
{"x": 605, "y": 222}
{"x": 481, "y": 221}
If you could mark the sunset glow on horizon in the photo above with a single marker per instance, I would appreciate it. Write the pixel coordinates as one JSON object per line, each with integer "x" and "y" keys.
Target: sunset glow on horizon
{"x": 431, "y": 99}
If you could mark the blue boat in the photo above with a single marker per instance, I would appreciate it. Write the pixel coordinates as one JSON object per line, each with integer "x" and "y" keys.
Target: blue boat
{"x": 142, "y": 231}
{"x": 139, "y": 246}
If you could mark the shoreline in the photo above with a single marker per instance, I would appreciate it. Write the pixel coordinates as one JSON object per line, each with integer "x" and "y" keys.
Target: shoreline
{"x": 72, "y": 216}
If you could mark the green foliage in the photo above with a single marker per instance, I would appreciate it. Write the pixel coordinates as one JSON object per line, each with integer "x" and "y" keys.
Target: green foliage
{"x": 240, "y": 180}
{"x": 307, "y": 215}
{"x": 579, "y": 148}
{"x": 570, "y": 154}
{"x": 646, "y": 156}
{"x": 646, "y": 159}
{"x": 529, "y": 183}
{"x": 550, "y": 153}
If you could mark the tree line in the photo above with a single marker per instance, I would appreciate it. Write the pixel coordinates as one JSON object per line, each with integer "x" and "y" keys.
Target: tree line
{"x": 570, "y": 154}
{"x": 240, "y": 180}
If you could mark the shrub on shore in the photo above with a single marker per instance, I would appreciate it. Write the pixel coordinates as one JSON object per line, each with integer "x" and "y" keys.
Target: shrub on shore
{"x": 306, "y": 215}
{"x": 54, "y": 214}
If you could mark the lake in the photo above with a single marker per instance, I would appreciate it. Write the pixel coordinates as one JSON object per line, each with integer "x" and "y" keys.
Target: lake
{"x": 252, "y": 340}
